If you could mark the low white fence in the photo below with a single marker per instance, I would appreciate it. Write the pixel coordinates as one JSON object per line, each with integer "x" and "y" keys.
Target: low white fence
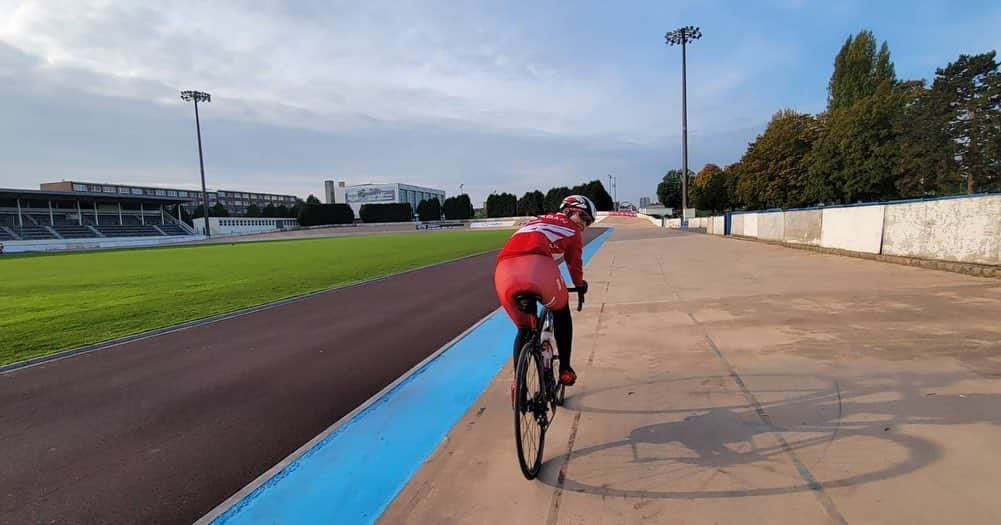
{"x": 59, "y": 245}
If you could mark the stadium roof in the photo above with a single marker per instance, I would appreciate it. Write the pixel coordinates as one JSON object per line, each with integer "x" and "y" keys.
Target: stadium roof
{"x": 13, "y": 193}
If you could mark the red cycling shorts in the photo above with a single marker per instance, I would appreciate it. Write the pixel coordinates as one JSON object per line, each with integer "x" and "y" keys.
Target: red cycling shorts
{"x": 533, "y": 274}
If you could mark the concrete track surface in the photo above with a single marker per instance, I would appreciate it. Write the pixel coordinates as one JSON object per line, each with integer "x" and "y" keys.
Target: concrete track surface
{"x": 727, "y": 381}
{"x": 161, "y": 430}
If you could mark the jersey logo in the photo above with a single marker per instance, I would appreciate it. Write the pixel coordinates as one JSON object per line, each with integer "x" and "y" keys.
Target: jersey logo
{"x": 552, "y": 232}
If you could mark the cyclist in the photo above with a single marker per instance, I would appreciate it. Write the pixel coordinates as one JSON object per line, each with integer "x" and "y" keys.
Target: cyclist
{"x": 526, "y": 265}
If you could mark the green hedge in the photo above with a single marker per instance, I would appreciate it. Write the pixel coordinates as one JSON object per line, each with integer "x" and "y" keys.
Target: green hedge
{"x": 429, "y": 210}
{"x": 317, "y": 214}
{"x": 396, "y": 212}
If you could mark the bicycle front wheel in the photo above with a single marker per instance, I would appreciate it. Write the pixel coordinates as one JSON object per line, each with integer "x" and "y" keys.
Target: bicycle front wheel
{"x": 530, "y": 407}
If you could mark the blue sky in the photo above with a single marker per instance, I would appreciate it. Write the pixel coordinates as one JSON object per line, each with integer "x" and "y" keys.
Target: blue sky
{"x": 496, "y": 96}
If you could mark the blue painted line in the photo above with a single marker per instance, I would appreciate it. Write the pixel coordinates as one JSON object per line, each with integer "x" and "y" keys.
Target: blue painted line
{"x": 353, "y": 474}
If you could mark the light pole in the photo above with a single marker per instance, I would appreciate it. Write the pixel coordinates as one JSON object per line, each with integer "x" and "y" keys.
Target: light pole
{"x": 196, "y": 97}
{"x": 614, "y": 193}
{"x": 682, "y": 36}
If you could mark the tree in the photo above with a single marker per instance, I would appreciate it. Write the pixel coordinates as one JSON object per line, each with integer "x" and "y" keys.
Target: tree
{"x": 218, "y": 211}
{"x": 595, "y": 191}
{"x": 312, "y": 199}
{"x": 296, "y": 208}
{"x": 253, "y": 211}
{"x": 282, "y": 211}
{"x": 731, "y": 174}
{"x": 857, "y": 154}
{"x": 270, "y": 211}
{"x": 709, "y": 190}
{"x": 532, "y": 203}
{"x": 429, "y": 210}
{"x": 554, "y": 197}
{"x": 458, "y": 208}
{"x": 858, "y": 71}
{"x": 773, "y": 171}
{"x": 669, "y": 189}
{"x": 502, "y": 205}
{"x": 969, "y": 91}
{"x": 926, "y": 160}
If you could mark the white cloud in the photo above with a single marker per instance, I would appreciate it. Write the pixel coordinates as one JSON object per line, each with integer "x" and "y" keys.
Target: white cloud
{"x": 339, "y": 66}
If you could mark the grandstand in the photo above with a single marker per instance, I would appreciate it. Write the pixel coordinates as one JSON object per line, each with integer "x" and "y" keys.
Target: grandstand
{"x": 33, "y": 215}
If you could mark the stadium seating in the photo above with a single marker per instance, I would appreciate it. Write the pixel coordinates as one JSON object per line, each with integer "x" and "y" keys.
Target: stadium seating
{"x": 32, "y": 233}
{"x": 37, "y": 226}
{"x": 73, "y": 231}
{"x": 127, "y": 230}
{"x": 173, "y": 229}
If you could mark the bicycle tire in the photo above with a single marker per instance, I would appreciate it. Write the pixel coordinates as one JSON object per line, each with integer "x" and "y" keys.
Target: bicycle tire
{"x": 526, "y": 411}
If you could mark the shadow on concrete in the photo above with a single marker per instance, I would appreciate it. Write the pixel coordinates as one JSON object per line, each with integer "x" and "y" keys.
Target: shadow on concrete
{"x": 849, "y": 434}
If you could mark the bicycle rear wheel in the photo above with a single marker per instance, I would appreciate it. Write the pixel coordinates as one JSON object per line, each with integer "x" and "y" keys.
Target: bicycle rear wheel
{"x": 530, "y": 407}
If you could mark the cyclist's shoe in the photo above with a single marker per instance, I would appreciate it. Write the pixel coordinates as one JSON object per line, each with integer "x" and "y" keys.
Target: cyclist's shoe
{"x": 567, "y": 377}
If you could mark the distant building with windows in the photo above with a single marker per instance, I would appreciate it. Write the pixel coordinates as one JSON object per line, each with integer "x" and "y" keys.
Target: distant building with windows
{"x": 396, "y": 192}
{"x": 235, "y": 202}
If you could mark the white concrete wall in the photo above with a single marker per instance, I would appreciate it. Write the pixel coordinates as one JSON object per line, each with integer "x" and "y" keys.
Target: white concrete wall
{"x": 859, "y": 228}
{"x": 802, "y": 226}
{"x": 966, "y": 230}
{"x": 653, "y": 220}
{"x": 718, "y": 225}
{"x": 771, "y": 225}
{"x": 750, "y": 224}
{"x": 737, "y": 224}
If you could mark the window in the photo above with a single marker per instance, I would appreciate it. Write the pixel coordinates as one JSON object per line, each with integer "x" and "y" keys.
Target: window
{"x": 137, "y": 191}
{"x": 109, "y": 189}
{"x": 171, "y": 193}
{"x": 123, "y": 189}
{"x": 182, "y": 194}
{"x": 79, "y": 187}
{"x": 161, "y": 193}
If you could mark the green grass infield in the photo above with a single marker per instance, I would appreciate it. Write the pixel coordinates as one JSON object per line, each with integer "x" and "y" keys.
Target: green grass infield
{"x": 56, "y": 302}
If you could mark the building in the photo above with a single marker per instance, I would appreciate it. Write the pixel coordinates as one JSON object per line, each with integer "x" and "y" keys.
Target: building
{"x": 235, "y": 202}
{"x": 333, "y": 193}
{"x": 361, "y": 194}
{"x": 244, "y": 225}
{"x": 644, "y": 202}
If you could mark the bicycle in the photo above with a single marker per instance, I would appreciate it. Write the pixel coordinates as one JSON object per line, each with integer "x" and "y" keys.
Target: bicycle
{"x": 538, "y": 392}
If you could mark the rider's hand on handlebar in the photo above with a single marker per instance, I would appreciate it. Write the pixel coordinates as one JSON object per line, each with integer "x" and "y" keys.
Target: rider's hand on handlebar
{"x": 583, "y": 287}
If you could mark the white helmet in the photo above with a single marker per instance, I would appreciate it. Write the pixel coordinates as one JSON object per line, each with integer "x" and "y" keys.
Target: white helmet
{"x": 581, "y": 203}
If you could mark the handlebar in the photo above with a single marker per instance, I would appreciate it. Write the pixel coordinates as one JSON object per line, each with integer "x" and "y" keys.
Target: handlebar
{"x": 580, "y": 297}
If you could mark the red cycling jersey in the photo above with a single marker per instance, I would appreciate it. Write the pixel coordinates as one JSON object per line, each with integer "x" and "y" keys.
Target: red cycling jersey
{"x": 551, "y": 234}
